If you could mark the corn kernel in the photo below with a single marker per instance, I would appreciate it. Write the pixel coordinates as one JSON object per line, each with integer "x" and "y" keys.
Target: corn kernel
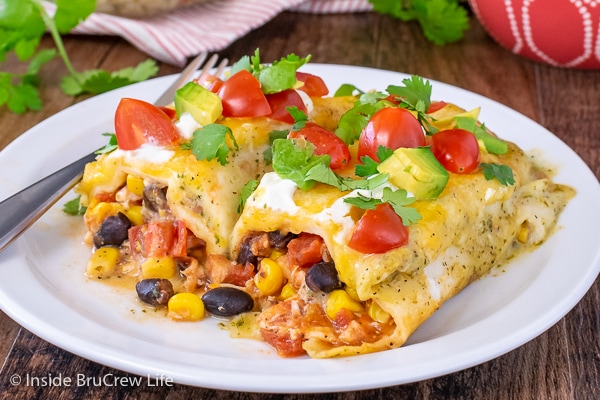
{"x": 269, "y": 278}
{"x": 159, "y": 267}
{"x": 275, "y": 254}
{"x": 339, "y": 299}
{"x": 135, "y": 185}
{"x": 134, "y": 213}
{"x": 103, "y": 262}
{"x": 185, "y": 306}
{"x": 523, "y": 234}
{"x": 377, "y": 313}
{"x": 287, "y": 291}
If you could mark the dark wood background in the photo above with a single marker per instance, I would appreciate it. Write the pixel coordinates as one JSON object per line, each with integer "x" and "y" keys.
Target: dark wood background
{"x": 562, "y": 363}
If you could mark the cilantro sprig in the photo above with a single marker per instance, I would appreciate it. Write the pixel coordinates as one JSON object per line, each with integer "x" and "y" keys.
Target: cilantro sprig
{"x": 398, "y": 199}
{"x": 414, "y": 95}
{"x": 442, "y": 21}
{"x": 273, "y": 78}
{"x": 210, "y": 142}
{"x": 22, "y": 25}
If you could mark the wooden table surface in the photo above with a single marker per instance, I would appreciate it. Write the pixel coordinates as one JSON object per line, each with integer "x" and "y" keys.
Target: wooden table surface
{"x": 562, "y": 363}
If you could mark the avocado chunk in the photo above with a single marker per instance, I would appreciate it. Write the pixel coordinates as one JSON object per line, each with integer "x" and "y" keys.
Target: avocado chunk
{"x": 417, "y": 171}
{"x": 204, "y": 105}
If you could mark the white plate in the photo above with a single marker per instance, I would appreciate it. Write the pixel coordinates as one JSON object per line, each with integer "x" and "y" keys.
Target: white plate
{"x": 43, "y": 286}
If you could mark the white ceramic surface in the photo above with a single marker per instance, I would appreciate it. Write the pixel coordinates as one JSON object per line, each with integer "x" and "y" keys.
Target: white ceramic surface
{"x": 43, "y": 286}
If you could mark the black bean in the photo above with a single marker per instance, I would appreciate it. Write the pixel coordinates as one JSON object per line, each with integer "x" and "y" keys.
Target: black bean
{"x": 278, "y": 240}
{"x": 155, "y": 198}
{"x": 155, "y": 292}
{"x": 227, "y": 301}
{"x": 113, "y": 231}
{"x": 323, "y": 277}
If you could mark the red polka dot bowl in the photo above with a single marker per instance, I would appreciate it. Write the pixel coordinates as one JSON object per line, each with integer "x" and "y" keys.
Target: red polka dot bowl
{"x": 562, "y": 33}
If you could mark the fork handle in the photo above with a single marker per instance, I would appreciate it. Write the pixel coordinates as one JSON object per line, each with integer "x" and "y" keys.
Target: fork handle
{"x": 22, "y": 209}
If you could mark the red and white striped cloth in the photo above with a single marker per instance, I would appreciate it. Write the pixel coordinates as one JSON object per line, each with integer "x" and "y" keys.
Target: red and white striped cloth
{"x": 209, "y": 26}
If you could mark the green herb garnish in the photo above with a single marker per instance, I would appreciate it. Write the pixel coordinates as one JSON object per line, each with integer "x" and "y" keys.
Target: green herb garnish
{"x": 210, "y": 142}
{"x": 442, "y": 21}
{"x": 503, "y": 173}
{"x": 22, "y": 25}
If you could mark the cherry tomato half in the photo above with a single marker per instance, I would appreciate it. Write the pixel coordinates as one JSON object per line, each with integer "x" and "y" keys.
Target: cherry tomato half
{"x": 325, "y": 142}
{"x": 378, "y": 231}
{"x": 314, "y": 86}
{"x": 242, "y": 96}
{"x": 391, "y": 127}
{"x": 138, "y": 122}
{"x": 281, "y": 100}
{"x": 456, "y": 149}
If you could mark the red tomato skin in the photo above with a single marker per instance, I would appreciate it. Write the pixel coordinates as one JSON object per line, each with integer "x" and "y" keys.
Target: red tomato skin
{"x": 211, "y": 82}
{"x": 435, "y": 106}
{"x": 171, "y": 113}
{"x": 138, "y": 122}
{"x": 314, "y": 85}
{"x": 279, "y": 101}
{"x": 325, "y": 142}
{"x": 306, "y": 250}
{"x": 391, "y": 127}
{"x": 159, "y": 239}
{"x": 457, "y": 150}
{"x": 378, "y": 231}
{"x": 242, "y": 96}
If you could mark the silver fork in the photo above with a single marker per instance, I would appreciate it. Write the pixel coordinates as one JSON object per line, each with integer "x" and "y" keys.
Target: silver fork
{"x": 22, "y": 209}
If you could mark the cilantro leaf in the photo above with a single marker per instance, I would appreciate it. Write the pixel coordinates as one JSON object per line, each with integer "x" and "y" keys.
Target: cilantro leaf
{"x": 503, "y": 173}
{"x": 69, "y": 13}
{"x": 22, "y": 25}
{"x": 323, "y": 174}
{"x": 442, "y": 21}
{"x": 415, "y": 96}
{"x": 369, "y": 165}
{"x": 363, "y": 202}
{"x": 281, "y": 75}
{"x": 353, "y": 121}
{"x": 347, "y": 89}
{"x": 278, "y": 76}
{"x": 399, "y": 199}
{"x": 74, "y": 207}
{"x": 247, "y": 190}
{"x": 100, "y": 81}
{"x": 416, "y": 92}
{"x": 110, "y": 146}
{"x": 492, "y": 143}
{"x": 292, "y": 161}
{"x": 210, "y": 142}
{"x": 268, "y": 153}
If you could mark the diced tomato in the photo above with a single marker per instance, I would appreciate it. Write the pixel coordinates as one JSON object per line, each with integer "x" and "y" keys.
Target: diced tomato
{"x": 159, "y": 239}
{"x": 435, "y": 106}
{"x": 138, "y": 122}
{"x": 242, "y": 96}
{"x": 279, "y": 103}
{"x": 456, "y": 149}
{"x": 211, "y": 82}
{"x": 179, "y": 248}
{"x": 325, "y": 142}
{"x": 379, "y": 230}
{"x": 391, "y": 127}
{"x": 306, "y": 250}
{"x": 313, "y": 85}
